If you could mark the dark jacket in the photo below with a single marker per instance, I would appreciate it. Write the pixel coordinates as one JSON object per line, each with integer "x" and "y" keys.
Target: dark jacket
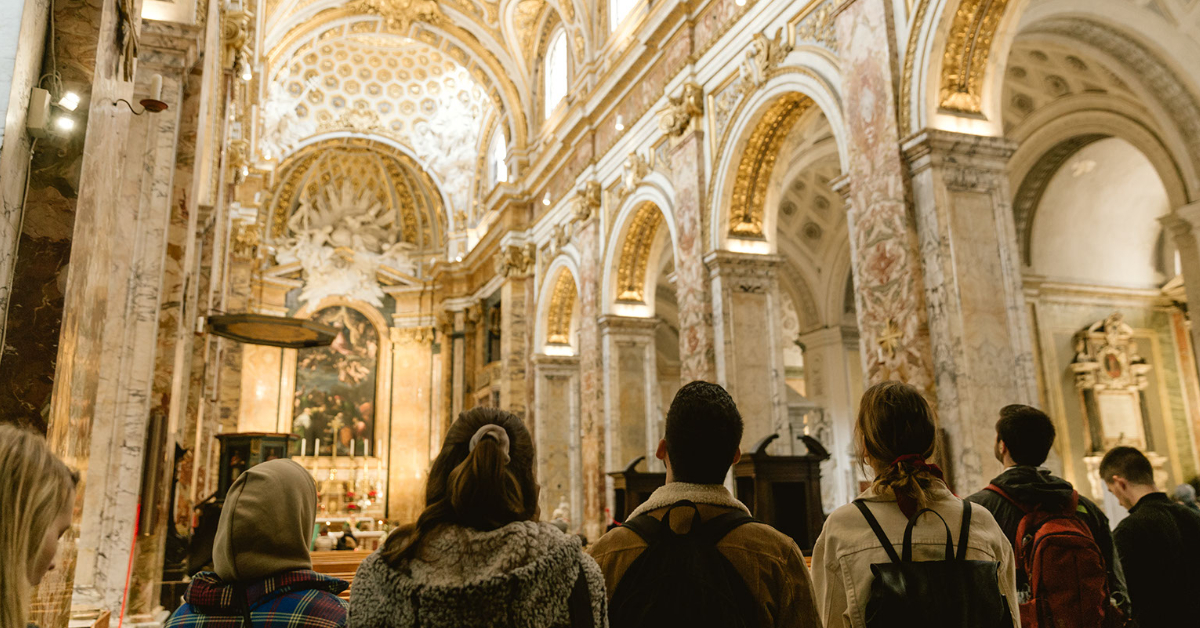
{"x": 294, "y": 599}
{"x": 1034, "y": 487}
{"x": 1159, "y": 545}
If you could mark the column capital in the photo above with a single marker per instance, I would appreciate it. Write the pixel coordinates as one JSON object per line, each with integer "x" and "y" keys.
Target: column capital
{"x": 1183, "y": 220}
{"x": 555, "y": 362}
{"x": 168, "y": 45}
{"x": 963, "y": 156}
{"x": 631, "y": 326}
{"x": 412, "y": 335}
{"x": 826, "y": 336}
{"x": 744, "y": 265}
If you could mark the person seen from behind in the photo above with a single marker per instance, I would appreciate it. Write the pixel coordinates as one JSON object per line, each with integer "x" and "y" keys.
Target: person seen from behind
{"x": 37, "y": 496}
{"x": 1158, "y": 543}
{"x": 939, "y": 561}
{"x": 1185, "y": 494}
{"x": 1076, "y": 572}
{"x": 262, "y": 571}
{"x": 692, "y": 555}
{"x": 477, "y": 555}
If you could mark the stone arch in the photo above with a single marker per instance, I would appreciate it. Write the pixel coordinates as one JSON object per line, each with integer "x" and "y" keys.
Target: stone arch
{"x": 747, "y": 150}
{"x": 397, "y": 178}
{"x": 1047, "y": 148}
{"x": 643, "y": 233}
{"x": 558, "y": 310}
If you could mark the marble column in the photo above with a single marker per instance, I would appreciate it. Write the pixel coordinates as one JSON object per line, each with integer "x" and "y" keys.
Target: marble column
{"x": 1183, "y": 226}
{"x": 982, "y": 348}
{"x": 557, "y": 437}
{"x": 632, "y": 412}
{"x": 696, "y": 343}
{"x": 749, "y": 339}
{"x": 591, "y": 407}
{"x": 833, "y": 380}
{"x": 886, "y": 263}
{"x": 410, "y": 422}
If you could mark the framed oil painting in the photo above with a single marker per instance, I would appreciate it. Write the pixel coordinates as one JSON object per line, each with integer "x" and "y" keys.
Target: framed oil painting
{"x": 334, "y": 402}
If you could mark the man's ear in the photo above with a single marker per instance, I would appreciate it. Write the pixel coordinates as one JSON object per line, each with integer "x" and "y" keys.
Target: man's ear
{"x": 737, "y": 455}
{"x": 661, "y": 452}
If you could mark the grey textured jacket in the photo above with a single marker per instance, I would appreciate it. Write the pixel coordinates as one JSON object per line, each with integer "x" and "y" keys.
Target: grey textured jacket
{"x": 518, "y": 576}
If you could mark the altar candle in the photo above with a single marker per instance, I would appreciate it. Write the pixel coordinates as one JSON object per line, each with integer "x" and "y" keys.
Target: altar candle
{"x": 318, "y": 442}
{"x": 352, "y": 441}
{"x": 366, "y": 448}
{"x": 303, "y": 446}
{"x": 379, "y": 447}
{"x": 156, "y": 87}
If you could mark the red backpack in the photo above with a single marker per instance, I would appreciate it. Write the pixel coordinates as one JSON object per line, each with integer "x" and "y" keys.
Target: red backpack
{"x": 1063, "y": 565}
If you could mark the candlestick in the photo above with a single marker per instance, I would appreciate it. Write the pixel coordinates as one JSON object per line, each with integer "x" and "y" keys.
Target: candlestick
{"x": 318, "y": 441}
{"x": 352, "y": 441}
{"x": 156, "y": 87}
{"x": 303, "y": 446}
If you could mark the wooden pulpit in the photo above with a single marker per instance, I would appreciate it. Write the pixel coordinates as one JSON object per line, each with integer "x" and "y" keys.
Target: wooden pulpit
{"x": 784, "y": 491}
{"x": 632, "y": 487}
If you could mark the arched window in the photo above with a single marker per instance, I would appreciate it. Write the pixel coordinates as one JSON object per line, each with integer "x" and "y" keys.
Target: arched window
{"x": 617, "y": 10}
{"x": 556, "y": 72}
{"x": 498, "y": 158}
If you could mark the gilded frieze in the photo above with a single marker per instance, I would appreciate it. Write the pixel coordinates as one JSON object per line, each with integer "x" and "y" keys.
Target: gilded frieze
{"x": 635, "y": 253}
{"x": 758, "y": 161}
{"x": 562, "y": 303}
{"x": 964, "y": 62}
{"x": 817, "y": 26}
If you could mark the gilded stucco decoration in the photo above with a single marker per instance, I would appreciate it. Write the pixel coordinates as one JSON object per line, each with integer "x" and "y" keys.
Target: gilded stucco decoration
{"x": 525, "y": 20}
{"x": 633, "y": 171}
{"x": 676, "y": 117}
{"x": 235, "y": 38}
{"x": 562, "y": 304}
{"x": 817, "y": 26}
{"x": 635, "y": 253}
{"x": 760, "y": 57}
{"x": 407, "y": 195}
{"x": 968, "y": 45}
{"x": 758, "y": 162}
{"x": 515, "y": 261}
{"x": 587, "y": 201}
{"x": 401, "y": 14}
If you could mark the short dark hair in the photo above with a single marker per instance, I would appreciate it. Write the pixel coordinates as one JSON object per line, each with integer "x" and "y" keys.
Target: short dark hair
{"x": 1127, "y": 463}
{"x": 1027, "y": 433}
{"x": 703, "y": 431}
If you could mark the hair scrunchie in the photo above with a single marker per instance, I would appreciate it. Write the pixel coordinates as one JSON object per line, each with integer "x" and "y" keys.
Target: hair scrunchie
{"x": 918, "y": 461}
{"x": 491, "y": 430}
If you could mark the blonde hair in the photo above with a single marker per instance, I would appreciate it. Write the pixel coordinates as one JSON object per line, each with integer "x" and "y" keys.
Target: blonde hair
{"x": 894, "y": 421}
{"x": 36, "y": 486}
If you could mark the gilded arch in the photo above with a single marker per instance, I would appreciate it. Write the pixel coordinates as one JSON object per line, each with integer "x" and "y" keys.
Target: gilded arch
{"x": 562, "y": 306}
{"x": 635, "y": 253}
{"x": 758, "y": 162}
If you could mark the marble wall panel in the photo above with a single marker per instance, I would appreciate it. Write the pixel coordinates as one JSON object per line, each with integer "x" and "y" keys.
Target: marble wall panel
{"x": 591, "y": 408}
{"x": 515, "y": 332}
{"x": 260, "y": 389}
{"x": 411, "y": 417}
{"x": 557, "y": 435}
{"x": 696, "y": 350}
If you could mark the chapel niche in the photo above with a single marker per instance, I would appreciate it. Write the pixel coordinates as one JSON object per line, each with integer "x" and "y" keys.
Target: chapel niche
{"x": 1112, "y": 376}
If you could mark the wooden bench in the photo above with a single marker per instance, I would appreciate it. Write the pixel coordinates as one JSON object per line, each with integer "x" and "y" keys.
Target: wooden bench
{"x": 341, "y": 564}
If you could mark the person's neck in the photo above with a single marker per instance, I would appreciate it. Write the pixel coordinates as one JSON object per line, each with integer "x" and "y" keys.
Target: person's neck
{"x": 1138, "y": 491}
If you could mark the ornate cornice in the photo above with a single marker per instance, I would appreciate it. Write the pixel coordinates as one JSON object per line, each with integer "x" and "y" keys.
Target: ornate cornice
{"x": 515, "y": 262}
{"x": 412, "y": 335}
{"x": 635, "y": 254}
{"x": 676, "y": 117}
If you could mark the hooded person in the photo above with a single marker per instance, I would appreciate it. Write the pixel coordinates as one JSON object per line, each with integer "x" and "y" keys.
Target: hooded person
{"x": 477, "y": 555}
{"x": 262, "y": 572}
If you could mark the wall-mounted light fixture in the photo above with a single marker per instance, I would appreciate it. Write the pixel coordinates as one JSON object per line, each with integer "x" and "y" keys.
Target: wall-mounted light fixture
{"x": 620, "y": 125}
{"x": 546, "y": 199}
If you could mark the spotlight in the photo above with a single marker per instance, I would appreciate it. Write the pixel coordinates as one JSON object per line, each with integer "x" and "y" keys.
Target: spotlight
{"x": 546, "y": 199}
{"x": 246, "y": 74}
{"x": 620, "y": 122}
{"x": 245, "y": 171}
{"x": 458, "y": 259}
{"x": 64, "y": 124}
{"x": 69, "y": 101}
{"x": 740, "y": 3}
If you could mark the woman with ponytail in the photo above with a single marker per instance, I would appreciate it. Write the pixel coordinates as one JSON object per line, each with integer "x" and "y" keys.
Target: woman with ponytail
{"x": 37, "y": 495}
{"x": 477, "y": 555}
{"x": 896, "y": 435}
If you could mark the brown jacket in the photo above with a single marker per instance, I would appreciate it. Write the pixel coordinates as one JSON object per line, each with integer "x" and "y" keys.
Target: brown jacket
{"x": 769, "y": 561}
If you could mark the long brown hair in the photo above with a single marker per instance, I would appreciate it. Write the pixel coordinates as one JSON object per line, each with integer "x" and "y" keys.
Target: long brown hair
{"x": 34, "y": 487}
{"x": 894, "y": 420}
{"x": 473, "y": 488}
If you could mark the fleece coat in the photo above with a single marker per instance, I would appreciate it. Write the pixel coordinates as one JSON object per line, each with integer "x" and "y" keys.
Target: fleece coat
{"x": 519, "y": 575}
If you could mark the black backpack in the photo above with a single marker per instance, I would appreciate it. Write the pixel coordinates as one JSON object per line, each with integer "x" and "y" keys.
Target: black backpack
{"x": 682, "y": 579}
{"x": 950, "y": 593}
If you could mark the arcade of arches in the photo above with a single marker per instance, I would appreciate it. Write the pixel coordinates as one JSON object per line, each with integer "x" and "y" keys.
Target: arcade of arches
{"x": 567, "y": 209}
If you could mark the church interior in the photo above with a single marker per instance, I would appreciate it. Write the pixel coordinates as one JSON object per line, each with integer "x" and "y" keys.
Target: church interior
{"x": 567, "y": 209}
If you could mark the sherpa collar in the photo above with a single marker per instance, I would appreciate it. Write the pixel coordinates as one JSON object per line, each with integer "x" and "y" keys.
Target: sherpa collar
{"x": 711, "y": 494}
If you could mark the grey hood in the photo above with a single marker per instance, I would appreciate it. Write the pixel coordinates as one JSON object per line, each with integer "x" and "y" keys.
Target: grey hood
{"x": 519, "y": 575}
{"x": 266, "y": 523}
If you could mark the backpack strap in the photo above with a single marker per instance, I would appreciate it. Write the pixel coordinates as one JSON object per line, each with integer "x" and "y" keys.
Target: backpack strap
{"x": 912, "y": 523}
{"x": 874, "y": 523}
{"x": 964, "y": 533}
{"x": 645, "y": 526}
{"x": 712, "y": 531}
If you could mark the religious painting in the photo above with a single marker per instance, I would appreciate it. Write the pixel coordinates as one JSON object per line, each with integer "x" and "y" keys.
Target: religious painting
{"x": 334, "y": 402}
